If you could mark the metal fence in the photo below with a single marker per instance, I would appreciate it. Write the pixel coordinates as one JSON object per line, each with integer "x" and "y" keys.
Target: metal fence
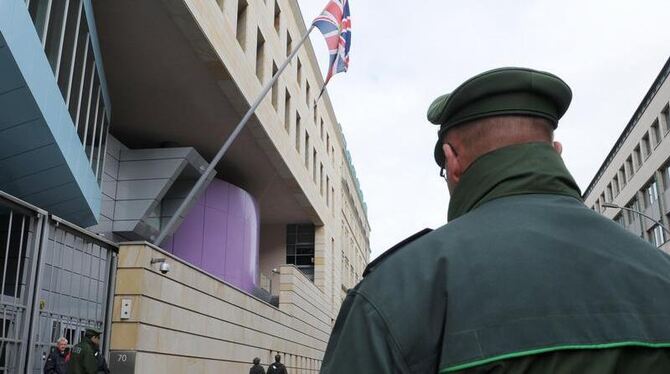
{"x": 57, "y": 280}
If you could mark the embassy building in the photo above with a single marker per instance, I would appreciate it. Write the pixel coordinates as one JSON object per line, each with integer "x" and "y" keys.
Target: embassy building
{"x": 636, "y": 173}
{"x": 109, "y": 112}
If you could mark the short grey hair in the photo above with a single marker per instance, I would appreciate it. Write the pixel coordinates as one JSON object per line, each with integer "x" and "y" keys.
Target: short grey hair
{"x": 61, "y": 339}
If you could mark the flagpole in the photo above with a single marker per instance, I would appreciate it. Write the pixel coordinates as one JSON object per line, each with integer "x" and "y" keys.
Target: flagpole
{"x": 165, "y": 231}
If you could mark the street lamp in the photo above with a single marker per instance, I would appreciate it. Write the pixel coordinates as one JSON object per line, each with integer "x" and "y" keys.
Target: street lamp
{"x": 610, "y": 205}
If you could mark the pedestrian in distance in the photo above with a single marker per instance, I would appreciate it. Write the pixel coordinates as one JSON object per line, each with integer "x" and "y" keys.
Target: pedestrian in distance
{"x": 257, "y": 368}
{"x": 84, "y": 358}
{"x": 277, "y": 367}
{"x": 57, "y": 360}
{"x": 524, "y": 278}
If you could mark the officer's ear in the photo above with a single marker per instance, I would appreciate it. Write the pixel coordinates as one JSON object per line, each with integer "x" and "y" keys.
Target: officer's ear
{"x": 454, "y": 164}
{"x": 558, "y": 147}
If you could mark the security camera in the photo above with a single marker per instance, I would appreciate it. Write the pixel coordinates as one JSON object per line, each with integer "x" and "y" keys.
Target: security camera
{"x": 164, "y": 268}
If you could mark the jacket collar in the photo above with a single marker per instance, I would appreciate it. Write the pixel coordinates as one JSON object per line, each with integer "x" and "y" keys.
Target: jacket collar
{"x": 531, "y": 168}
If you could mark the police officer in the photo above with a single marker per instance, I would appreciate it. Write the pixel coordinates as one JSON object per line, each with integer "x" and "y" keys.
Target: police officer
{"x": 84, "y": 359}
{"x": 524, "y": 278}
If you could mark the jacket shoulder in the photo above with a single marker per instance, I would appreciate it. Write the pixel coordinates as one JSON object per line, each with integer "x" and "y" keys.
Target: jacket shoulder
{"x": 389, "y": 252}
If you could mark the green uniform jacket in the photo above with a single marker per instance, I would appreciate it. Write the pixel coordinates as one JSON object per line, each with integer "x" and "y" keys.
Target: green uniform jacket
{"x": 524, "y": 279}
{"x": 83, "y": 359}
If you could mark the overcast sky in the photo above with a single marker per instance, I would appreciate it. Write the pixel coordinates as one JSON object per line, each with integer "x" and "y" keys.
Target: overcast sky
{"x": 406, "y": 53}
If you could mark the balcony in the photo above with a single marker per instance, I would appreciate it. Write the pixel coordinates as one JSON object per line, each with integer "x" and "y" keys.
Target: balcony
{"x": 54, "y": 107}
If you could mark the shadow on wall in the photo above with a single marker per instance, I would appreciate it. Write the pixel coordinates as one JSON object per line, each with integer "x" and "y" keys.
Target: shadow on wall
{"x": 220, "y": 235}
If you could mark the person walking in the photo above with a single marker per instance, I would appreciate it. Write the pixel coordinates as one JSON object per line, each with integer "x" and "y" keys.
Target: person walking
{"x": 524, "y": 278}
{"x": 257, "y": 368}
{"x": 57, "y": 360}
{"x": 277, "y": 367}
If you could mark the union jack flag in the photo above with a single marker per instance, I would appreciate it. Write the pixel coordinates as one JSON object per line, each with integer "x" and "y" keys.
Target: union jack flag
{"x": 335, "y": 25}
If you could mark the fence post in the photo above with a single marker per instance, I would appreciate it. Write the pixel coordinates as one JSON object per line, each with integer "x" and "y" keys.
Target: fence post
{"x": 33, "y": 311}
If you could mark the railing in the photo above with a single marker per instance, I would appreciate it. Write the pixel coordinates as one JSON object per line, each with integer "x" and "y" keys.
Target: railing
{"x": 55, "y": 282}
{"x": 71, "y": 49}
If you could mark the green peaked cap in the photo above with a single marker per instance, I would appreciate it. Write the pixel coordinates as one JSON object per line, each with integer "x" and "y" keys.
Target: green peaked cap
{"x": 499, "y": 92}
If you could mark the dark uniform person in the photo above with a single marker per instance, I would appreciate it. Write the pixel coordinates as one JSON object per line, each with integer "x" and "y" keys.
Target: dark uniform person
{"x": 84, "y": 355}
{"x": 257, "y": 368}
{"x": 277, "y": 367}
{"x": 524, "y": 278}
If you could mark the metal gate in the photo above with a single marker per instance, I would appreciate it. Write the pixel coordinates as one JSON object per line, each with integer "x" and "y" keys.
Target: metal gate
{"x": 56, "y": 281}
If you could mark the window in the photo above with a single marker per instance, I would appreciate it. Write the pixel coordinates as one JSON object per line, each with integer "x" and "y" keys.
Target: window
{"x": 327, "y": 191}
{"x": 300, "y": 248}
{"x": 321, "y": 178}
{"x": 635, "y": 206}
{"x": 609, "y": 195}
{"x": 277, "y": 17}
{"x": 657, "y": 235}
{"x": 650, "y": 194}
{"x": 665, "y": 116}
{"x": 637, "y": 156}
{"x": 646, "y": 149}
{"x": 321, "y": 129}
{"x": 297, "y": 132}
{"x": 307, "y": 93}
{"x": 332, "y": 199}
{"x": 316, "y": 115}
{"x": 622, "y": 178}
{"x": 629, "y": 167}
{"x": 260, "y": 56}
{"x": 287, "y": 111}
{"x": 656, "y": 133}
{"x": 275, "y": 87}
{"x": 306, "y": 149}
{"x": 327, "y": 143}
{"x": 241, "y": 35}
{"x": 314, "y": 165}
{"x": 615, "y": 186}
{"x": 619, "y": 219}
{"x": 666, "y": 176}
{"x": 299, "y": 72}
{"x": 289, "y": 44}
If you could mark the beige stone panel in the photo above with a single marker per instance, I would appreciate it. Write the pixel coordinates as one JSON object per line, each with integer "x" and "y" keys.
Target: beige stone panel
{"x": 124, "y": 336}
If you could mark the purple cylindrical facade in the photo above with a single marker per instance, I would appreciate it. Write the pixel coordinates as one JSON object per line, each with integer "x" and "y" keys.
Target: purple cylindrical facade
{"x": 220, "y": 235}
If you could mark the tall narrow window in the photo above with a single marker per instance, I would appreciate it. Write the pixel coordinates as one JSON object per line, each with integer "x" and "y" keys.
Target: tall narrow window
{"x": 615, "y": 186}
{"x": 327, "y": 191}
{"x": 260, "y": 56}
{"x": 655, "y": 133}
{"x": 289, "y": 43}
{"x": 637, "y": 157}
{"x": 277, "y": 17}
{"x": 321, "y": 129}
{"x": 307, "y": 93}
{"x": 297, "y": 131}
{"x": 299, "y": 72}
{"x": 629, "y": 167}
{"x": 314, "y": 171}
{"x": 321, "y": 179}
{"x": 306, "y": 149}
{"x": 316, "y": 115}
{"x": 300, "y": 248}
{"x": 665, "y": 115}
{"x": 622, "y": 178}
{"x": 241, "y": 35}
{"x": 287, "y": 111}
{"x": 275, "y": 87}
{"x": 646, "y": 149}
